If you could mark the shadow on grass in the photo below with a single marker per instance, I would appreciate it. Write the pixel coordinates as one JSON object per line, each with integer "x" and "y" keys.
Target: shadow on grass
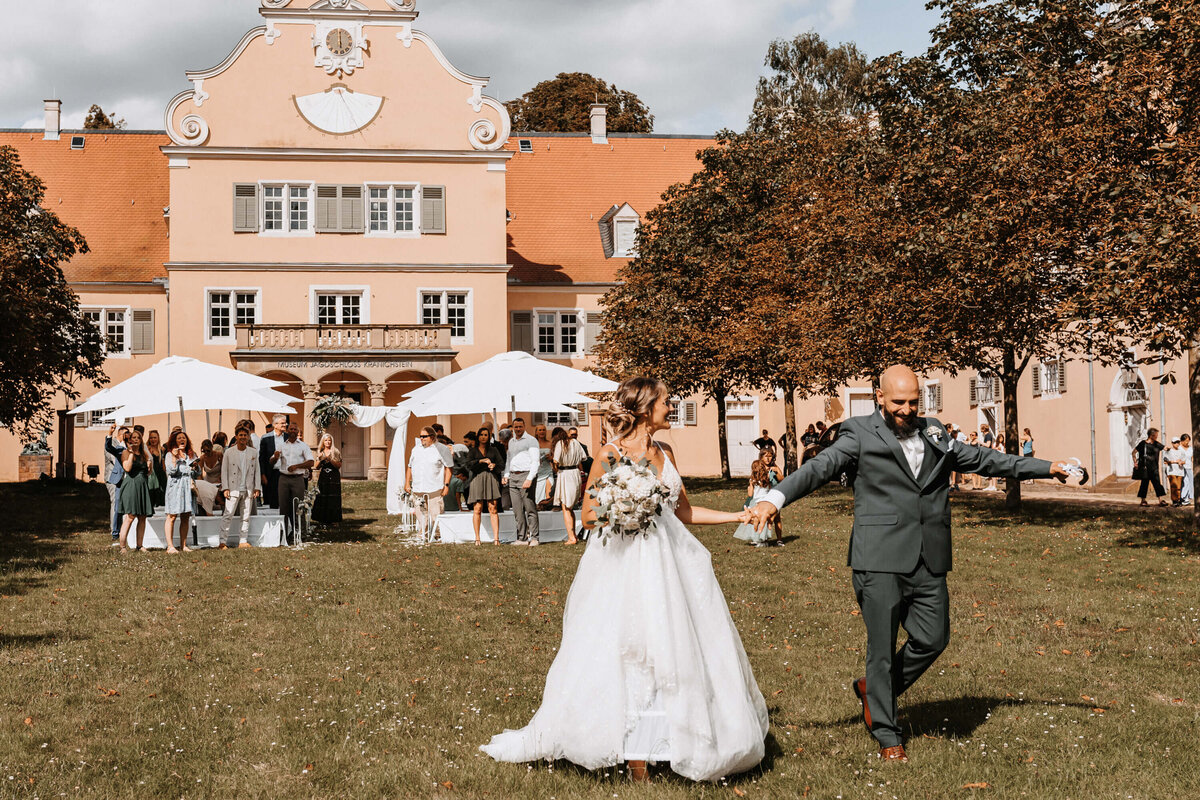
{"x": 39, "y": 527}
{"x": 18, "y": 641}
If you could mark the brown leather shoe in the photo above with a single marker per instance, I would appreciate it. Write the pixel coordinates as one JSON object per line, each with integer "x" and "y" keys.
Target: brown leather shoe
{"x": 860, "y": 691}
{"x": 893, "y": 753}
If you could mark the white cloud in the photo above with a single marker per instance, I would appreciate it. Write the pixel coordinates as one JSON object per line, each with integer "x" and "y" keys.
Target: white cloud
{"x": 694, "y": 62}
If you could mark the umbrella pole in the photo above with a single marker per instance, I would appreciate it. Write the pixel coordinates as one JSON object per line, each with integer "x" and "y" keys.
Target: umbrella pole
{"x": 208, "y": 423}
{"x": 514, "y": 409}
{"x": 182, "y": 418}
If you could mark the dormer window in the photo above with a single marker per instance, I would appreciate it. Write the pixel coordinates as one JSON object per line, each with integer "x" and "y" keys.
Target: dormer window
{"x": 618, "y": 231}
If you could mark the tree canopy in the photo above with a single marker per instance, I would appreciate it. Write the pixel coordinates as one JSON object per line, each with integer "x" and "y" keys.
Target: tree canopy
{"x": 45, "y": 344}
{"x": 97, "y": 120}
{"x": 563, "y": 105}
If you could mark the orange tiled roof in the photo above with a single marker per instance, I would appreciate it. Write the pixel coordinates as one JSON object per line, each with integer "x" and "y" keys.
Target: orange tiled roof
{"x": 557, "y": 194}
{"x": 113, "y": 190}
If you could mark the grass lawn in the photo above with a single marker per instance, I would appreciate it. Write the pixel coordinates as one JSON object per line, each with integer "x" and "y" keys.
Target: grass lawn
{"x": 359, "y": 668}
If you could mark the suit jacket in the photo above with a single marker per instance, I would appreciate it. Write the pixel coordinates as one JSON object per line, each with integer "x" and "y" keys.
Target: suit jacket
{"x": 116, "y": 469}
{"x": 240, "y": 470}
{"x": 266, "y": 449}
{"x": 898, "y": 519}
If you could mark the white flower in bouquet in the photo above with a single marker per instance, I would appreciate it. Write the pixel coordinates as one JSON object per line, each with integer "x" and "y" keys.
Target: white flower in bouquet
{"x": 629, "y": 495}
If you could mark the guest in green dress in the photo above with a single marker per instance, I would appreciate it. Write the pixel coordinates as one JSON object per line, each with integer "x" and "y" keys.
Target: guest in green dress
{"x": 158, "y": 491}
{"x": 135, "y": 490}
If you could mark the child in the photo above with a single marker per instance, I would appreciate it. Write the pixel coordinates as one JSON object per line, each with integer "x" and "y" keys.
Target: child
{"x": 756, "y": 490}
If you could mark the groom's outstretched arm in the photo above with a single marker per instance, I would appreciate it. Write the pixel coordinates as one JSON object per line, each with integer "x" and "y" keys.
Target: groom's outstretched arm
{"x": 815, "y": 473}
{"x": 994, "y": 464}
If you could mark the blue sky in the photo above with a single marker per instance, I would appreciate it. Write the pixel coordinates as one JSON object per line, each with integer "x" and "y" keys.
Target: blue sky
{"x": 694, "y": 62}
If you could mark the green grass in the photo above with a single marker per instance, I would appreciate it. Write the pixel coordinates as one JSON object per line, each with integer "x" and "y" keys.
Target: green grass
{"x": 358, "y": 668}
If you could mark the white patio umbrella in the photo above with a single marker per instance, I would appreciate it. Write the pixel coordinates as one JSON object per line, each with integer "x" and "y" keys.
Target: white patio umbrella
{"x": 507, "y": 381}
{"x": 179, "y": 383}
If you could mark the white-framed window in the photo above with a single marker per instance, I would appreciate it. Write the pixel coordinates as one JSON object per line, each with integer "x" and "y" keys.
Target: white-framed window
{"x": 114, "y": 327}
{"x": 558, "y": 332}
{"x": 683, "y": 413}
{"x": 392, "y": 209}
{"x": 340, "y": 305}
{"x": 287, "y": 208}
{"x": 451, "y": 307}
{"x": 931, "y": 397}
{"x": 225, "y": 308}
{"x": 95, "y": 419}
{"x": 578, "y": 418}
{"x": 987, "y": 389}
{"x": 624, "y": 235}
{"x": 1050, "y": 379}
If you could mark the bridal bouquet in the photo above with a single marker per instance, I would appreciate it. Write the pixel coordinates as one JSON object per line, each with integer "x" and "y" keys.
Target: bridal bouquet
{"x": 629, "y": 495}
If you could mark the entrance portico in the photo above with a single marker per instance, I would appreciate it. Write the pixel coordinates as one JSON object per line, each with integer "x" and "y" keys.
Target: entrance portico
{"x": 375, "y": 354}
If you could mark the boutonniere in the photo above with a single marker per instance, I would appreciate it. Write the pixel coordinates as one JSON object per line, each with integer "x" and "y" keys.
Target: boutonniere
{"x": 935, "y": 434}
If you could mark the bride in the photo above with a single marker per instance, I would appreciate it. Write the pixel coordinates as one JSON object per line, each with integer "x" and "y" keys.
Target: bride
{"x": 651, "y": 667}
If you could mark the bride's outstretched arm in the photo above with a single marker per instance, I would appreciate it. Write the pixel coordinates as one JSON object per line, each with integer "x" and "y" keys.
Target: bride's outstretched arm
{"x": 689, "y": 514}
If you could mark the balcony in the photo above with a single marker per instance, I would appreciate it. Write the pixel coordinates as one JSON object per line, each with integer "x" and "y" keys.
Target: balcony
{"x": 334, "y": 339}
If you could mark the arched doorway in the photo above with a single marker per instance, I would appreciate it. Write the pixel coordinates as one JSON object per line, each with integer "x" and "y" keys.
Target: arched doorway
{"x": 1128, "y": 419}
{"x": 350, "y": 439}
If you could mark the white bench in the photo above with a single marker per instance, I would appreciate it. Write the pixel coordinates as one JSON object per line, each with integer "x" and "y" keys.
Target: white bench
{"x": 266, "y": 530}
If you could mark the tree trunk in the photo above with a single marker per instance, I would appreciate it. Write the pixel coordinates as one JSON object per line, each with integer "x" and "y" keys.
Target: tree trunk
{"x": 722, "y": 438}
{"x": 790, "y": 460}
{"x": 1009, "y": 379}
{"x": 1194, "y": 394}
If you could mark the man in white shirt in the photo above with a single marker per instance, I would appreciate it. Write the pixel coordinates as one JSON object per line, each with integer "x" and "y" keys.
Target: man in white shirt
{"x": 1188, "y": 495}
{"x": 519, "y": 471}
{"x": 240, "y": 479}
{"x": 292, "y": 458}
{"x": 1174, "y": 460}
{"x": 427, "y": 478}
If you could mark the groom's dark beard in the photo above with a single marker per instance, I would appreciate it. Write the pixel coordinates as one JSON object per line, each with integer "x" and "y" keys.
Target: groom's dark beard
{"x": 903, "y": 428}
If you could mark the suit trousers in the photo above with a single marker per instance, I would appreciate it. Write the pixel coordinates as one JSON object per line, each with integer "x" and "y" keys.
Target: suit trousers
{"x": 920, "y": 602}
{"x": 271, "y": 490}
{"x": 238, "y": 500}
{"x": 114, "y": 494}
{"x": 291, "y": 488}
{"x": 524, "y": 505}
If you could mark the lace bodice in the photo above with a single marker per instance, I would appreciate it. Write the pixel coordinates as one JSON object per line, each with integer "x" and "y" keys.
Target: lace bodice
{"x": 670, "y": 477}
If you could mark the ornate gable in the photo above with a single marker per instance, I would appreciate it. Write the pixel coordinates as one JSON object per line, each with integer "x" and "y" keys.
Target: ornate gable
{"x": 337, "y": 74}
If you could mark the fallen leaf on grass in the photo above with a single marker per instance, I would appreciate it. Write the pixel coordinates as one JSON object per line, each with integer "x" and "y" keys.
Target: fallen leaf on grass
{"x": 29, "y": 720}
{"x": 447, "y": 785}
{"x": 738, "y": 792}
{"x": 980, "y": 785}
{"x": 777, "y": 693}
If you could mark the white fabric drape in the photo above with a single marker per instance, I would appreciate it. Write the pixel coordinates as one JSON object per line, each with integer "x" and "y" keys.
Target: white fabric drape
{"x": 397, "y": 418}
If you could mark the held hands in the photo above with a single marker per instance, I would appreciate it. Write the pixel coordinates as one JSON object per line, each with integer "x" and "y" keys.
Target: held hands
{"x": 761, "y": 515}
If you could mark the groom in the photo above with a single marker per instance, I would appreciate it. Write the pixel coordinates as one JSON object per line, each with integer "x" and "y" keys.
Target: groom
{"x": 900, "y": 544}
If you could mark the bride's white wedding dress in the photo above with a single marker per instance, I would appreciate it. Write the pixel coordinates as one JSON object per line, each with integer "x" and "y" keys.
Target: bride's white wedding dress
{"x": 650, "y": 667}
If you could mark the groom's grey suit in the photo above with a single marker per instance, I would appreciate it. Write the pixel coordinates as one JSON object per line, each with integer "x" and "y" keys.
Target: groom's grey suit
{"x": 900, "y": 547}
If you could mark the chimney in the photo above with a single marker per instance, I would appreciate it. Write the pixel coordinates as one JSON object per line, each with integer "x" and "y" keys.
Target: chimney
{"x": 599, "y": 123}
{"x": 53, "y": 119}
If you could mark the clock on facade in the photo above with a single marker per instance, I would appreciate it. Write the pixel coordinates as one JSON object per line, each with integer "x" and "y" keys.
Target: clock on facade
{"x": 339, "y": 41}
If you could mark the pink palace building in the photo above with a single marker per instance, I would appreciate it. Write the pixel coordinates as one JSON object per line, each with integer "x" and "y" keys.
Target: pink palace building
{"x": 337, "y": 206}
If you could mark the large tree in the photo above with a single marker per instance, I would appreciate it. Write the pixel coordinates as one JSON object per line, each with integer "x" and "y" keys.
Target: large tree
{"x": 993, "y": 129}
{"x": 563, "y": 105}
{"x": 45, "y": 344}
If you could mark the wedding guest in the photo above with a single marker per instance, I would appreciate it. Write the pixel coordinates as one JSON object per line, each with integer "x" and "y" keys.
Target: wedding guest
{"x": 444, "y": 443}
{"x": 248, "y": 424}
{"x": 292, "y": 459}
{"x": 180, "y": 505}
{"x": 158, "y": 486}
{"x": 774, "y": 476}
{"x": 1174, "y": 460}
{"x": 219, "y": 442}
{"x": 241, "y": 484}
{"x": 1188, "y": 494}
{"x": 502, "y": 438}
{"x": 756, "y": 491}
{"x": 764, "y": 442}
{"x": 998, "y": 446}
{"x": 585, "y": 466}
{"x": 977, "y": 481}
{"x": 114, "y": 472}
{"x": 135, "y": 490}
{"x": 809, "y": 437}
{"x": 327, "y": 507}
{"x": 427, "y": 478}
{"x": 270, "y": 442}
{"x": 545, "y": 472}
{"x": 567, "y": 455}
{"x": 520, "y": 472}
{"x": 484, "y": 463}
{"x": 209, "y": 463}
{"x": 1027, "y": 443}
{"x": 1147, "y": 466}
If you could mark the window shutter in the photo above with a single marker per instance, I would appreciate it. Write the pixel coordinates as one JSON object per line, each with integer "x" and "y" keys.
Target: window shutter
{"x": 939, "y": 398}
{"x": 433, "y": 209}
{"x": 351, "y": 206}
{"x": 921, "y": 400}
{"x": 687, "y": 412}
{"x": 1062, "y": 375}
{"x": 327, "y": 209}
{"x": 80, "y": 419}
{"x": 245, "y": 208}
{"x": 539, "y": 418}
{"x": 997, "y": 390}
{"x": 142, "y": 336}
{"x": 1037, "y": 379}
{"x": 593, "y": 327}
{"x": 972, "y": 394}
{"x": 522, "y": 331}
{"x": 582, "y": 418}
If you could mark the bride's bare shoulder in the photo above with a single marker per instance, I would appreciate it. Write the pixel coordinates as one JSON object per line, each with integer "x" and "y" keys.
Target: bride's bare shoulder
{"x": 666, "y": 448}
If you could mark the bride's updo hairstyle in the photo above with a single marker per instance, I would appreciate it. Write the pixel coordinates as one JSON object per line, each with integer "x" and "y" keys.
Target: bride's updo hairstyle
{"x": 633, "y": 402}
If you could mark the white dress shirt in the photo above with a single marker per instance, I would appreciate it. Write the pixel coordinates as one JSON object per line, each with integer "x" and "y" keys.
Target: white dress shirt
{"x": 914, "y": 452}
{"x": 294, "y": 453}
{"x": 524, "y": 453}
{"x": 428, "y": 469}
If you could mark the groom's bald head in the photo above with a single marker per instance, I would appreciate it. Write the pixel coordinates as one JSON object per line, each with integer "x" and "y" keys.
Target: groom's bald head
{"x": 898, "y": 396}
